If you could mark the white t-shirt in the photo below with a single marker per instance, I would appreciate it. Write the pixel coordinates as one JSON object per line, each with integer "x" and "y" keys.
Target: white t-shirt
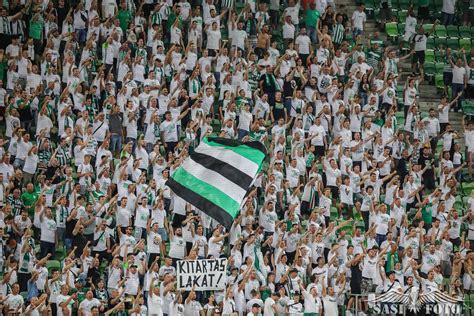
{"x": 13, "y": 301}
{"x": 213, "y": 38}
{"x": 332, "y": 175}
{"x": 48, "y": 230}
{"x": 62, "y": 299}
{"x": 31, "y": 162}
{"x": 330, "y": 306}
{"x": 288, "y": 31}
{"x": 87, "y": 305}
{"x": 420, "y": 42}
{"x": 410, "y": 96}
{"x": 319, "y": 132}
{"x": 170, "y": 131}
{"x": 443, "y": 115}
{"x": 359, "y": 19}
{"x": 304, "y": 43}
{"x": 382, "y": 221}
{"x": 458, "y": 74}
{"x": 268, "y": 307}
{"x": 155, "y": 305}
{"x": 346, "y": 194}
{"x": 177, "y": 247}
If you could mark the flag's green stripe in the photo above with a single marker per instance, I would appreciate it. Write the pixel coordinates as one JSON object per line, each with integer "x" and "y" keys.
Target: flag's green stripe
{"x": 254, "y": 155}
{"x": 207, "y": 191}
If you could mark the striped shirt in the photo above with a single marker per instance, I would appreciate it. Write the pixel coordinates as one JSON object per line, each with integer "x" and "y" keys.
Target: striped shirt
{"x": 16, "y": 204}
{"x": 253, "y": 80}
{"x": 44, "y": 156}
{"x": 63, "y": 156}
{"x": 228, "y": 4}
{"x": 338, "y": 33}
{"x": 373, "y": 58}
{"x": 156, "y": 18}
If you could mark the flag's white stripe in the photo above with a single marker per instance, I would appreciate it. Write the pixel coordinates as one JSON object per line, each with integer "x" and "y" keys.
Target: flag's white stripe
{"x": 215, "y": 179}
{"x": 228, "y": 156}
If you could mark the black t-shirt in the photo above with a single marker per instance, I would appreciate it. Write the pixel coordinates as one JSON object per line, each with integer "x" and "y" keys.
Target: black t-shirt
{"x": 69, "y": 228}
{"x": 80, "y": 242}
{"x": 423, "y": 161}
{"x": 356, "y": 279}
{"x": 25, "y": 114}
{"x": 278, "y": 110}
{"x": 94, "y": 274}
{"x": 402, "y": 168}
{"x": 287, "y": 89}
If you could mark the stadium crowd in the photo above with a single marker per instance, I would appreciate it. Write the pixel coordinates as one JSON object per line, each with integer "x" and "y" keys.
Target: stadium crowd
{"x": 101, "y": 101}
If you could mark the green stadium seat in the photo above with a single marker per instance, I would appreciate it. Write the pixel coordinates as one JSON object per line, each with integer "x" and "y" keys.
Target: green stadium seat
{"x": 405, "y": 47}
{"x": 427, "y": 27}
{"x": 440, "y": 42}
{"x": 369, "y": 7}
{"x": 453, "y": 31}
{"x": 464, "y": 32}
{"x": 430, "y": 43}
{"x": 400, "y": 91}
{"x": 429, "y": 56}
{"x": 430, "y": 70}
{"x": 439, "y": 67}
{"x": 468, "y": 108}
{"x": 394, "y": 14}
{"x": 440, "y": 31}
{"x": 392, "y": 30}
{"x": 439, "y": 83}
{"x": 53, "y": 264}
{"x": 453, "y": 43}
{"x": 401, "y": 29}
{"x": 465, "y": 43}
{"x": 402, "y": 16}
{"x": 403, "y": 4}
{"x": 377, "y": 14}
{"x": 439, "y": 55}
{"x": 468, "y": 187}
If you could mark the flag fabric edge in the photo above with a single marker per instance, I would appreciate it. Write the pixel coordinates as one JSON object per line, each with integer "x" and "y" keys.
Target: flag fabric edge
{"x": 208, "y": 207}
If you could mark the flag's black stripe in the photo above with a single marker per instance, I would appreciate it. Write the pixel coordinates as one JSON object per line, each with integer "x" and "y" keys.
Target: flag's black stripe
{"x": 235, "y": 143}
{"x": 227, "y": 171}
{"x": 214, "y": 211}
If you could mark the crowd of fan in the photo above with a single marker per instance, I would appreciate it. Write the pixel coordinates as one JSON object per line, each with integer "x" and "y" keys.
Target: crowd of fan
{"x": 102, "y": 101}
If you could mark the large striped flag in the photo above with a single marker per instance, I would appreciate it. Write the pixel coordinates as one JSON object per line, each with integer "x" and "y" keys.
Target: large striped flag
{"x": 216, "y": 177}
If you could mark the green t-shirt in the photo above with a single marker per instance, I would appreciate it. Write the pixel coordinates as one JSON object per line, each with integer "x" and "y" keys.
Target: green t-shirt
{"x": 36, "y": 29}
{"x": 310, "y": 159}
{"x": 124, "y": 17}
{"x": 172, "y": 18}
{"x": 378, "y": 121}
{"x": 426, "y": 214}
{"x": 312, "y": 17}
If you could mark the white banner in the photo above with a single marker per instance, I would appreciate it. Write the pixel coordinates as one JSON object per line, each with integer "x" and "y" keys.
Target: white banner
{"x": 204, "y": 275}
